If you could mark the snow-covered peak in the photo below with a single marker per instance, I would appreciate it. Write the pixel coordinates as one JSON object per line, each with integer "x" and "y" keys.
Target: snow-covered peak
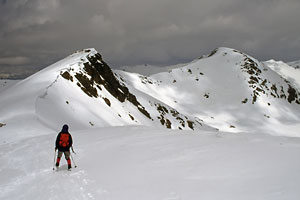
{"x": 223, "y": 51}
{"x": 82, "y": 91}
{"x": 232, "y": 91}
{"x": 226, "y": 89}
{"x": 276, "y": 65}
{"x": 91, "y": 51}
{"x": 289, "y": 71}
{"x": 295, "y": 64}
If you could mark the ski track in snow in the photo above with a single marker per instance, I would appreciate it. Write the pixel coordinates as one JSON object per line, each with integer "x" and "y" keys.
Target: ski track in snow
{"x": 42, "y": 96}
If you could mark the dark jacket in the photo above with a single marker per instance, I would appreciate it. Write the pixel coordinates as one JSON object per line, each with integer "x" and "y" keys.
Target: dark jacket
{"x": 64, "y": 139}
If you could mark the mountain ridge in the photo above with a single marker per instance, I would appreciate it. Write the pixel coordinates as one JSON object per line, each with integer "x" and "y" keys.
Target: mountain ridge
{"x": 82, "y": 91}
{"x": 206, "y": 89}
{"x": 226, "y": 90}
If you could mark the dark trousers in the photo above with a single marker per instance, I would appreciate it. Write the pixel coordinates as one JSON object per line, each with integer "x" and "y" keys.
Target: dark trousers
{"x": 67, "y": 156}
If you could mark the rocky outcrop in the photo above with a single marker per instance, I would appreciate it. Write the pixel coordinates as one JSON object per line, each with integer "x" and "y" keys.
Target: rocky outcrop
{"x": 96, "y": 75}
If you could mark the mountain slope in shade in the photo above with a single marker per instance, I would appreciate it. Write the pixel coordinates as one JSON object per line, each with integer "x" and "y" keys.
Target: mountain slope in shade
{"x": 228, "y": 90}
{"x": 294, "y": 64}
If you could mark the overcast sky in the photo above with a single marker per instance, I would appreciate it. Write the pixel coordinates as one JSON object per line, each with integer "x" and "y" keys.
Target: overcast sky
{"x": 129, "y": 32}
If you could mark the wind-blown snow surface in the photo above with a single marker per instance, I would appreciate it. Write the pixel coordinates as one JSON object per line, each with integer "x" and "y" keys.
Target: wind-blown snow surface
{"x": 149, "y": 163}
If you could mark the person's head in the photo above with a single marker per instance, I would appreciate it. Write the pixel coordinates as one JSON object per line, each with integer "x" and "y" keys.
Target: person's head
{"x": 65, "y": 129}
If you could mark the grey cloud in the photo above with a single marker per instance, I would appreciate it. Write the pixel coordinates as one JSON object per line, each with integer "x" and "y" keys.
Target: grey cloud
{"x": 19, "y": 60}
{"x": 129, "y": 32}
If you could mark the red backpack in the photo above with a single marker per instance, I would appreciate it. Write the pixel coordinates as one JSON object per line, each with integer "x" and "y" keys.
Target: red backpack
{"x": 64, "y": 140}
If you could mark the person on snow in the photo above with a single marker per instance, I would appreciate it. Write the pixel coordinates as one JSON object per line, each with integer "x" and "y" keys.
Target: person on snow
{"x": 63, "y": 144}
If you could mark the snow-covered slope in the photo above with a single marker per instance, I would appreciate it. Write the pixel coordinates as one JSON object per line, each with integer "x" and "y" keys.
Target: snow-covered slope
{"x": 228, "y": 90}
{"x": 148, "y": 163}
{"x": 122, "y": 124}
{"x": 295, "y": 64}
{"x": 289, "y": 71}
{"x": 148, "y": 70}
{"x": 82, "y": 91}
{"x": 6, "y": 83}
{"x": 145, "y": 70}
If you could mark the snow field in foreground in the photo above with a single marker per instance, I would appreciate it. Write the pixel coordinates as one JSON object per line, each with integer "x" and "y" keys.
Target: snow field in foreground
{"x": 150, "y": 163}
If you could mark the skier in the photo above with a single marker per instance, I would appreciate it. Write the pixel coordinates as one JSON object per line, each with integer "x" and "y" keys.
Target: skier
{"x": 63, "y": 143}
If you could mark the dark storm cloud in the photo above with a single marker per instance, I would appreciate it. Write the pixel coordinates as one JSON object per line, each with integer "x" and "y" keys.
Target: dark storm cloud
{"x": 128, "y": 32}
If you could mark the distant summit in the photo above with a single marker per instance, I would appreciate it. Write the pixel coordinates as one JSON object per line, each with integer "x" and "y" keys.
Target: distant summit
{"x": 231, "y": 91}
{"x": 295, "y": 64}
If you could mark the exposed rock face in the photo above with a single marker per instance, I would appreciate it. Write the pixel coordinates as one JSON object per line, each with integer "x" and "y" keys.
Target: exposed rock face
{"x": 96, "y": 79}
{"x": 97, "y": 74}
{"x": 168, "y": 114}
{"x": 264, "y": 86}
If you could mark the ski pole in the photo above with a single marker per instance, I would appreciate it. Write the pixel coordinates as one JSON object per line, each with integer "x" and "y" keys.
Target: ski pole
{"x": 73, "y": 150}
{"x": 73, "y": 160}
{"x": 54, "y": 158}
